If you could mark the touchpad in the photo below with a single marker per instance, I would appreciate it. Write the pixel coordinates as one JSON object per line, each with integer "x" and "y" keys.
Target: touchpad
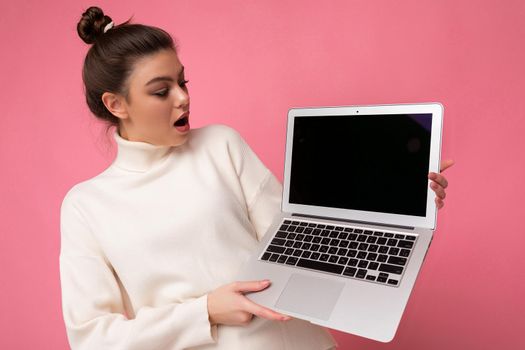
{"x": 310, "y": 296}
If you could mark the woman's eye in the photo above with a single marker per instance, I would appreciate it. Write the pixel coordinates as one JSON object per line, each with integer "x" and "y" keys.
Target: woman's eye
{"x": 184, "y": 82}
{"x": 162, "y": 92}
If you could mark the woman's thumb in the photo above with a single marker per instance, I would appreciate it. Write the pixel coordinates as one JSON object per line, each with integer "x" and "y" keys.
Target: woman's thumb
{"x": 250, "y": 286}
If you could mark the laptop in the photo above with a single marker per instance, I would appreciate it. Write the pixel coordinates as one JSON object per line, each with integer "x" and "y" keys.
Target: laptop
{"x": 357, "y": 216}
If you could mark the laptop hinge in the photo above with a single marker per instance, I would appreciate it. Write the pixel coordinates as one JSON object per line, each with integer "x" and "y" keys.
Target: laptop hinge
{"x": 353, "y": 221}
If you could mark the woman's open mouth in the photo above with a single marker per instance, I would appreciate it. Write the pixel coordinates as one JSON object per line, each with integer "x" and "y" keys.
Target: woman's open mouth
{"x": 182, "y": 124}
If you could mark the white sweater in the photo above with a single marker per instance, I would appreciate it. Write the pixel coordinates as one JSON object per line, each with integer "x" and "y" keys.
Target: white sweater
{"x": 143, "y": 242}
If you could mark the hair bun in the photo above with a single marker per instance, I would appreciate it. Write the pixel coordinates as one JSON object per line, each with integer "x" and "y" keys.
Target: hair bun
{"x": 92, "y": 24}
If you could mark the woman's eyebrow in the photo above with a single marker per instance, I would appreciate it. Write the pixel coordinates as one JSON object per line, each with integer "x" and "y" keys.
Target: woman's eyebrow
{"x": 163, "y": 78}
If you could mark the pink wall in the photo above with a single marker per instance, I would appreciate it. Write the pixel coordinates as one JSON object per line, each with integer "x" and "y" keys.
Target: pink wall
{"x": 248, "y": 62}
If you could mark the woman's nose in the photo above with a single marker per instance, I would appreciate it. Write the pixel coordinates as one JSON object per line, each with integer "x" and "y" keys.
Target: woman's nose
{"x": 182, "y": 98}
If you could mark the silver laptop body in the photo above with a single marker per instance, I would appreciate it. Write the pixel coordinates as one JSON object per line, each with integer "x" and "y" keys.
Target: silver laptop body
{"x": 359, "y": 170}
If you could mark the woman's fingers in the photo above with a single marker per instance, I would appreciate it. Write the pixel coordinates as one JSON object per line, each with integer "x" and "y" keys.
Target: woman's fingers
{"x": 263, "y": 312}
{"x": 440, "y": 179}
{"x": 249, "y": 286}
{"x": 250, "y": 306}
{"x": 439, "y": 203}
{"x": 446, "y": 164}
{"x": 440, "y": 192}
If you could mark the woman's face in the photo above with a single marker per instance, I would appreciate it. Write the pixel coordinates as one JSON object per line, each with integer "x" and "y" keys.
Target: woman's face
{"x": 157, "y": 98}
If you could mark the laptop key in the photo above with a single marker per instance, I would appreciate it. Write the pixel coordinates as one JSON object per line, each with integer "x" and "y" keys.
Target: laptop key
{"x": 395, "y": 269}
{"x": 289, "y": 251}
{"x": 381, "y": 241}
{"x": 371, "y": 277}
{"x": 274, "y": 257}
{"x": 362, "y": 264}
{"x": 342, "y": 251}
{"x": 315, "y": 256}
{"x": 397, "y": 260}
{"x": 284, "y": 227}
{"x": 383, "y": 249}
{"x": 398, "y": 236}
{"x": 297, "y": 252}
{"x": 350, "y": 271}
{"x": 306, "y": 254}
{"x": 405, "y": 244}
{"x": 410, "y": 238}
{"x": 291, "y": 260}
{"x": 278, "y": 241}
{"x": 361, "y": 255}
{"x": 289, "y": 243}
{"x": 382, "y": 258}
{"x": 393, "y": 282}
{"x": 373, "y": 266}
{"x": 312, "y": 225}
{"x": 352, "y": 253}
{"x": 282, "y": 259}
{"x": 373, "y": 248}
{"x": 392, "y": 242}
{"x": 343, "y": 260}
{"x": 381, "y": 279}
{"x": 343, "y": 244}
{"x": 361, "y": 273}
{"x": 275, "y": 249}
{"x": 353, "y": 262}
{"x": 324, "y": 257}
{"x": 404, "y": 252}
{"x": 371, "y": 256}
{"x": 281, "y": 234}
{"x": 393, "y": 251}
{"x": 333, "y": 259}
{"x": 266, "y": 256}
{"x": 320, "y": 266}
{"x": 332, "y": 250}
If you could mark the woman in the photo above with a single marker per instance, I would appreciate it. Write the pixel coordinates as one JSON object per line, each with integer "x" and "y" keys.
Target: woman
{"x": 149, "y": 247}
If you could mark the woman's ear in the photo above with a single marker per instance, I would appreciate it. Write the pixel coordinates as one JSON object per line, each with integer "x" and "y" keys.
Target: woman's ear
{"x": 115, "y": 104}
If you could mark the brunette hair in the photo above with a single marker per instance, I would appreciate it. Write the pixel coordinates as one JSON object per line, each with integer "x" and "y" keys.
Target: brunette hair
{"x": 111, "y": 58}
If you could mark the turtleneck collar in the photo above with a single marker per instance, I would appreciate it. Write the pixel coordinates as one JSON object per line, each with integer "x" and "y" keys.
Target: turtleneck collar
{"x": 138, "y": 156}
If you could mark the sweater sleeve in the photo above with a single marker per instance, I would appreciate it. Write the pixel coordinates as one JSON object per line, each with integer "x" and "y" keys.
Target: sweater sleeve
{"x": 93, "y": 305}
{"x": 262, "y": 190}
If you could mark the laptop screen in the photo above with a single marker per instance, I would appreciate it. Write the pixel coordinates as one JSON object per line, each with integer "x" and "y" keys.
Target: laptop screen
{"x": 375, "y": 163}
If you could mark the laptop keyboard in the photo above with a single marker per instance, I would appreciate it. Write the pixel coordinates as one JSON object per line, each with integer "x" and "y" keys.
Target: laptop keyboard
{"x": 370, "y": 255}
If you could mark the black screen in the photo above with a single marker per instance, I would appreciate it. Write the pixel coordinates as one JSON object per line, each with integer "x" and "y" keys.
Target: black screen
{"x": 373, "y": 163}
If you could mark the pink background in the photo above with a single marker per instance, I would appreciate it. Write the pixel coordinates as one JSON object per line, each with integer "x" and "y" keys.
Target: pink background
{"x": 248, "y": 62}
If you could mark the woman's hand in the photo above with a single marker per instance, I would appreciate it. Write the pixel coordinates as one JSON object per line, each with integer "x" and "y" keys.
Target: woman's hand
{"x": 228, "y": 305}
{"x": 439, "y": 182}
